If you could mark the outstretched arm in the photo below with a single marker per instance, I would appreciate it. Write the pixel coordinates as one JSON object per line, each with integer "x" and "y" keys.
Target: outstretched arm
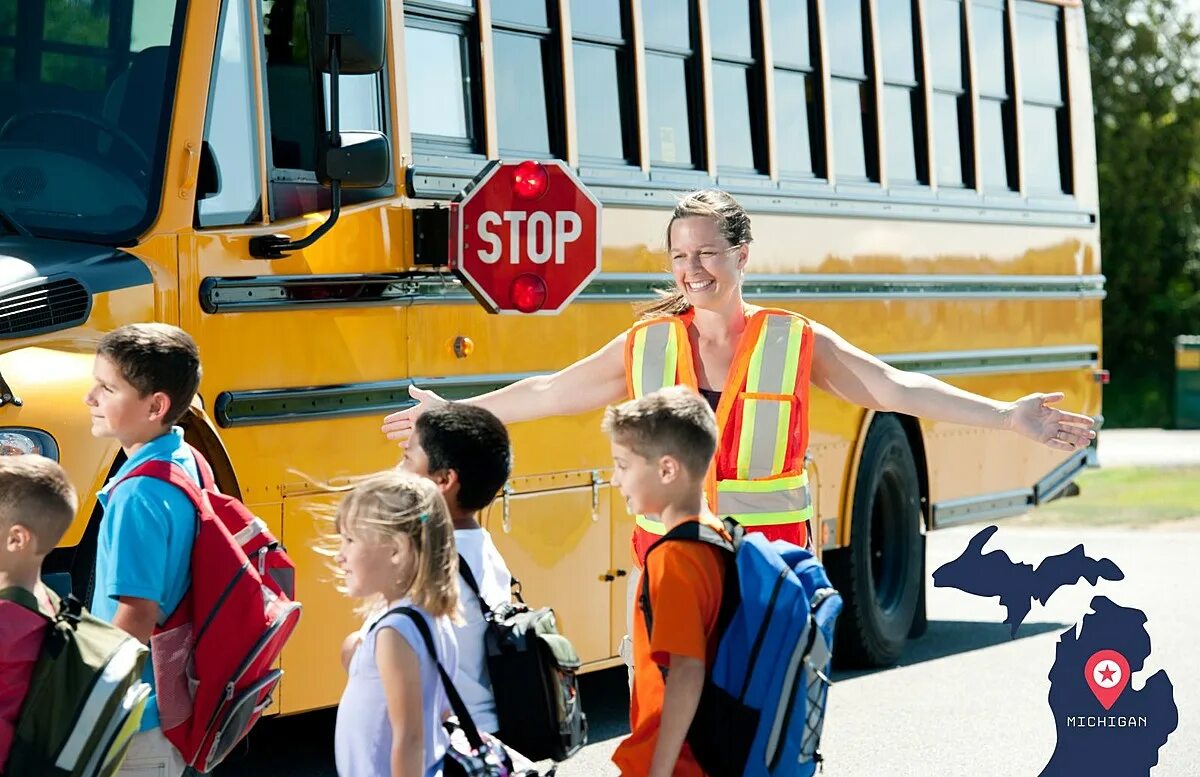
{"x": 590, "y": 383}
{"x": 855, "y": 376}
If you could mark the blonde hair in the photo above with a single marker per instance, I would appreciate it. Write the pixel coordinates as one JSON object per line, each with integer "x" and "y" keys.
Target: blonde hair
{"x": 394, "y": 505}
{"x": 673, "y": 422}
{"x": 732, "y": 221}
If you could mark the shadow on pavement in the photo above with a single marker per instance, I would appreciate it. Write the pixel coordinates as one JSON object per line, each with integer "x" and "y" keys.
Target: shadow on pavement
{"x": 606, "y": 702}
{"x": 296, "y": 745}
{"x": 949, "y": 638}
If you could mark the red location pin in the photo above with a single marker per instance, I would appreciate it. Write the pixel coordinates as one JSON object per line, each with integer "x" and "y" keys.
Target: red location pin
{"x": 1107, "y": 674}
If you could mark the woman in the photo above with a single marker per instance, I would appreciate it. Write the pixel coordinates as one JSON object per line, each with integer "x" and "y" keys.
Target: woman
{"x": 754, "y": 365}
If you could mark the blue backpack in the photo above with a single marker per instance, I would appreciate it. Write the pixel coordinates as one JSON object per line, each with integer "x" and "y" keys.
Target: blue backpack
{"x": 763, "y": 702}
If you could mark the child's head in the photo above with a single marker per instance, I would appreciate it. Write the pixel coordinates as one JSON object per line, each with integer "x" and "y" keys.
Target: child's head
{"x": 465, "y": 450}
{"x": 145, "y": 377}
{"x": 662, "y": 445}
{"x": 397, "y": 540}
{"x": 37, "y": 504}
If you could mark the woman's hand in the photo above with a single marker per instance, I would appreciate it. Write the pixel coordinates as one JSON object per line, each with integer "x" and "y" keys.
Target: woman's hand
{"x": 1033, "y": 417}
{"x": 399, "y": 425}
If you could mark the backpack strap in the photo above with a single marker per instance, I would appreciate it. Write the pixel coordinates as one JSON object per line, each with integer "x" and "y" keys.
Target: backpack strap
{"x": 456, "y": 702}
{"x": 694, "y": 531}
{"x": 28, "y": 599}
{"x": 465, "y": 571}
{"x": 177, "y": 476}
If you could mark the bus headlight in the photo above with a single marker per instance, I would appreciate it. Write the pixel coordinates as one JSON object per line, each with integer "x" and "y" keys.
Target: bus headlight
{"x": 17, "y": 442}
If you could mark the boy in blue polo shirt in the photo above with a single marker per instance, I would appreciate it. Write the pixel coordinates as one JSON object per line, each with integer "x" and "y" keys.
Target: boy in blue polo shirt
{"x": 145, "y": 378}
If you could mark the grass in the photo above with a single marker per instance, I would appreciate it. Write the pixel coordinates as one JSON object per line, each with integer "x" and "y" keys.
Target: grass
{"x": 1127, "y": 496}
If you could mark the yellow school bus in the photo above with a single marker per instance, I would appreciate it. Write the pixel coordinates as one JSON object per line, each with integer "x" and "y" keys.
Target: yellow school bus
{"x": 921, "y": 175}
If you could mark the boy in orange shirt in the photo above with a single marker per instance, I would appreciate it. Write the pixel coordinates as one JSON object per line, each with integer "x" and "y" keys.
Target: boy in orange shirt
{"x": 662, "y": 445}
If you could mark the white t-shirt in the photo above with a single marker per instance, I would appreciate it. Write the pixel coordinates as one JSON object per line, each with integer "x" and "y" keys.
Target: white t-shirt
{"x": 495, "y": 583}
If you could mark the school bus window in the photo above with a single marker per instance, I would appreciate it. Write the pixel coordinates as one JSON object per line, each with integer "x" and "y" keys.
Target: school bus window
{"x": 71, "y": 74}
{"x": 296, "y": 102}
{"x": 89, "y": 29}
{"x": 904, "y": 104}
{"x": 1043, "y": 106}
{"x": 995, "y": 115}
{"x": 737, "y": 86}
{"x": 951, "y": 102}
{"x": 360, "y": 103}
{"x": 443, "y": 85}
{"x": 600, "y": 19}
{"x": 230, "y": 130}
{"x": 799, "y": 135}
{"x": 527, "y": 78}
{"x": 855, "y": 149}
{"x": 673, "y": 84}
{"x": 604, "y": 104}
{"x": 291, "y": 98}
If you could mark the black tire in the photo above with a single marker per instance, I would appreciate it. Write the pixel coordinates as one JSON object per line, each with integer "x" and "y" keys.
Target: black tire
{"x": 920, "y": 623}
{"x": 879, "y": 574}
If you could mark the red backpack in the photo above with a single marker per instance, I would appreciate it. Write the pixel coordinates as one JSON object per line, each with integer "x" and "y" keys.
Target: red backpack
{"x": 215, "y": 657}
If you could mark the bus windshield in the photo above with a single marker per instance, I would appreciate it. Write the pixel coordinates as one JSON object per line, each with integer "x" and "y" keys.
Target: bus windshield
{"x": 85, "y": 99}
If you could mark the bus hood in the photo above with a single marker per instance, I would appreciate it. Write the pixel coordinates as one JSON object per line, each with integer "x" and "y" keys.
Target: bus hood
{"x": 46, "y": 285}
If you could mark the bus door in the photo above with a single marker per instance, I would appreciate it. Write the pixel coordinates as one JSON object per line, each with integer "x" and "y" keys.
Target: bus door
{"x": 297, "y": 344}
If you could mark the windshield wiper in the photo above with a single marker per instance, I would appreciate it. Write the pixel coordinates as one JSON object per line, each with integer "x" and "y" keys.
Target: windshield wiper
{"x": 13, "y": 225}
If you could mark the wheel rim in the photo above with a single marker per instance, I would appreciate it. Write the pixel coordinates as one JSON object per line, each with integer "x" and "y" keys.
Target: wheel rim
{"x": 887, "y": 540}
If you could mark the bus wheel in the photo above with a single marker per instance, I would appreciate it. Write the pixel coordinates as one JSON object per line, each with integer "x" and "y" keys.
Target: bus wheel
{"x": 879, "y": 574}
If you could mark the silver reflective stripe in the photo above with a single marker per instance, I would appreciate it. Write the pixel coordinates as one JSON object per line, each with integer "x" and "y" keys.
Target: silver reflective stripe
{"x": 774, "y": 343}
{"x": 255, "y": 528}
{"x": 654, "y": 357}
{"x": 816, "y": 662}
{"x": 765, "y": 437}
{"x": 787, "y": 694}
{"x": 748, "y": 503}
{"x": 115, "y": 673}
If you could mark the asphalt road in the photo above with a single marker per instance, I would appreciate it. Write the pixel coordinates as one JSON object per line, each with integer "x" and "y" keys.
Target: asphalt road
{"x": 965, "y": 699}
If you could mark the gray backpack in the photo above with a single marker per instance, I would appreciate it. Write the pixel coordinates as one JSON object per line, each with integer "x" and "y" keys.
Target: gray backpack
{"x": 85, "y": 699}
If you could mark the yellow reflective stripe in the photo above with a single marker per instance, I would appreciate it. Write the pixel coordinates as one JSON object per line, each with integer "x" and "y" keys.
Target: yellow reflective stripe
{"x": 763, "y": 486}
{"x": 754, "y": 371}
{"x": 650, "y": 525}
{"x": 774, "y": 519}
{"x": 781, "y": 436}
{"x": 639, "y": 356}
{"x": 746, "y": 441}
{"x": 671, "y": 358}
{"x": 791, "y": 362}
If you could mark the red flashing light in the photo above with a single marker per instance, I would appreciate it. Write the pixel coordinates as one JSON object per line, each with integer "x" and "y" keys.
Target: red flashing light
{"x": 1101, "y": 376}
{"x": 530, "y": 180}
{"x": 528, "y": 293}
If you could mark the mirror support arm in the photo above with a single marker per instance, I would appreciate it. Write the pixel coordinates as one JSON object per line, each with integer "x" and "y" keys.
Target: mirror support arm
{"x": 276, "y": 246}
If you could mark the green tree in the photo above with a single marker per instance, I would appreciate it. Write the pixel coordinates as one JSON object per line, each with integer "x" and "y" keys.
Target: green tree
{"x": 1145, "y": 56}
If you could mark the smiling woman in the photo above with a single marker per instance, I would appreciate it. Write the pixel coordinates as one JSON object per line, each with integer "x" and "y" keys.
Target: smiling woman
{"x": 754, "y": 365}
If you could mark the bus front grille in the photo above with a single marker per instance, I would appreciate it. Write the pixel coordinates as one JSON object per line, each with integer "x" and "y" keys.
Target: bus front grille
{"x": 46, "y": 306}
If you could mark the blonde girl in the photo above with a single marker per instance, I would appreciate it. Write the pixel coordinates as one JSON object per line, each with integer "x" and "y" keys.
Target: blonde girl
{"x": 396, "y": 550}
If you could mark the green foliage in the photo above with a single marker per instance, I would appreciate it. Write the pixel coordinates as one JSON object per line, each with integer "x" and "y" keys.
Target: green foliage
{"x": 1145, "y": 61}
{"x": 1126, "y": 496}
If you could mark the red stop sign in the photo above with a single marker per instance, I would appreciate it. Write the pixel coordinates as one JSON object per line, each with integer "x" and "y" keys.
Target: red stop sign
{"x": 525, "y": 238}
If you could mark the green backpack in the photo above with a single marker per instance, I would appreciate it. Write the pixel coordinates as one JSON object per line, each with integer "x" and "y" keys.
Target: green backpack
{"x": 86, "y": 696}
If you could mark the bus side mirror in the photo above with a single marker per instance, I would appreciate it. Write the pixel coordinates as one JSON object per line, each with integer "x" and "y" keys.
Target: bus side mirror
{"x": 346, "y": 37}
{"x": 356, "y": 27}
{"x": 363, "y": 160}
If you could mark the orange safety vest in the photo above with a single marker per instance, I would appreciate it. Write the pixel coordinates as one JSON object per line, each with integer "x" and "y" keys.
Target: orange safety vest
{"x": 758, "y": 475}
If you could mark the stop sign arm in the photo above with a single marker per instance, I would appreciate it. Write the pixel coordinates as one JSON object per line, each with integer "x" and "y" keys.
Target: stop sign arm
{"x": 525, "y": 237}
